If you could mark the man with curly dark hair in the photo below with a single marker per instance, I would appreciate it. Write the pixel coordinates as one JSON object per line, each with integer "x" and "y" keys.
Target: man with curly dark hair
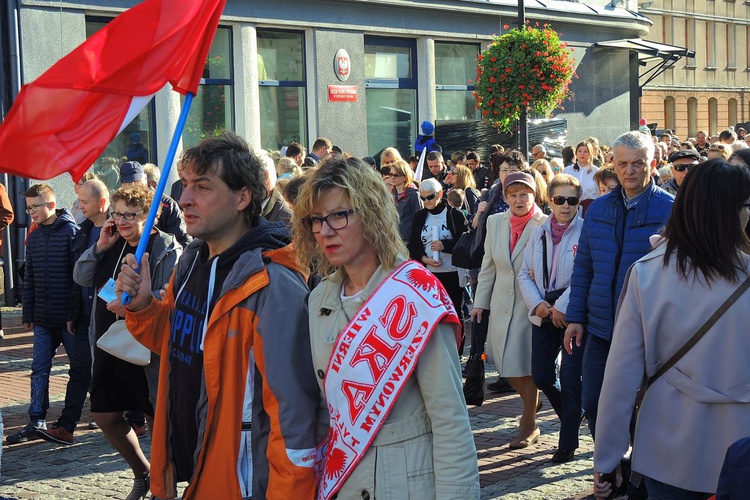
{"x": 235, "y": 392}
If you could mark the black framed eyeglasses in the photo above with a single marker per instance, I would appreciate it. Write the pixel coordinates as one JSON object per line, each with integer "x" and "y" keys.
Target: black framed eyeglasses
{"x": 128, "y": 216}
{"x": 34, "y": 208}
{"x": 335, "y": 220}
{"x": 428, "y": 197}
{"x": 560, "y": 200}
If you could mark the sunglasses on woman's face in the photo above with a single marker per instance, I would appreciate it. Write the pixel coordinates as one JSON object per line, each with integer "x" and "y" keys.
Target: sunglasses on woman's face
{"x": 429, "y": 197}
{"x": 560, "y": 200}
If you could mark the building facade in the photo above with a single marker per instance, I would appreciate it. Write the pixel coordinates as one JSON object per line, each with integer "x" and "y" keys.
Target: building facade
{"x": 275, "y": 73}
{"x": 711, "y": 91}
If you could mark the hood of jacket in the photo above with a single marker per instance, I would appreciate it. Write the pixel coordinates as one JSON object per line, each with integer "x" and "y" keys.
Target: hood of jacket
{"x": 264, "y": 242}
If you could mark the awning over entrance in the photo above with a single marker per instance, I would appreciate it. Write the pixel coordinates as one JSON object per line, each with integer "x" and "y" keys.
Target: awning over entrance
{"x": 663, "y": 55}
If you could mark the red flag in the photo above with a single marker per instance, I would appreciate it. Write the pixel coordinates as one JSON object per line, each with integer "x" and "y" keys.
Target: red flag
{"x": 63, "y": 120}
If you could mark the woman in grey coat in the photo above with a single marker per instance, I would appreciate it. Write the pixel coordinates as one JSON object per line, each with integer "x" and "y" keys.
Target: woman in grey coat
{"x": 701, "y": 405}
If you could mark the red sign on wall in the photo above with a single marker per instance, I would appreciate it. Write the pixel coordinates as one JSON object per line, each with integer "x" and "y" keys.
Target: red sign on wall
{"x": 342, "y": 93}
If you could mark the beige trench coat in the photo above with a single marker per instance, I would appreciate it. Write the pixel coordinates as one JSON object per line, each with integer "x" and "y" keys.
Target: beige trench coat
{"x": 509, "y": 337}
{"x": 425, "y": 448}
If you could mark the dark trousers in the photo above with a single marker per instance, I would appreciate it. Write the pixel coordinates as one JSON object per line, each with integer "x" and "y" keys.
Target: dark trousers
{"x": 456, "y": 293}
{"x": 594, "y": 360}
{"x": 79, "y": 376}
{"x": 663, "y": 491}
{"x": 546, "y": 343}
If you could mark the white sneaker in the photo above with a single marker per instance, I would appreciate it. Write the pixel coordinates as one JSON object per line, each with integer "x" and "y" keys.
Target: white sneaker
{"x": 2, "y": 334}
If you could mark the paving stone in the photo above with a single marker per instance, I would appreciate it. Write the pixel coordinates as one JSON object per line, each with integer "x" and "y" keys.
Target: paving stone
{"x": 92, "y": 469}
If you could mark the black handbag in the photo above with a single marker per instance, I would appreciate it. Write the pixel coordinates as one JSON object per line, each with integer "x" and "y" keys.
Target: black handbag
{"x": 462, "y": 256}
{"x": 474, "y": 384}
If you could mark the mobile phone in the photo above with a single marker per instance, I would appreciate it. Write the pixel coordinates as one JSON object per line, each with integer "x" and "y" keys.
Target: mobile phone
{"x": 112, "y": 229}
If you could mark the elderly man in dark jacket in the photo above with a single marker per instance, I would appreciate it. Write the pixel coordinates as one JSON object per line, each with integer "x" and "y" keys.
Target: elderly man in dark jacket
{"x": 614, "y": 235}
{"x": 47, "y": 304}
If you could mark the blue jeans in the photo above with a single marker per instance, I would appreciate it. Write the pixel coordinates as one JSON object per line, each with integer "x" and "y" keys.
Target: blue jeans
{"x": 79, "y": 376}
{"x": 546, "y": 343}
{"x": 46, "y": 342}
{"x": 663, "y": 491}
{"x": 594, "y": 359}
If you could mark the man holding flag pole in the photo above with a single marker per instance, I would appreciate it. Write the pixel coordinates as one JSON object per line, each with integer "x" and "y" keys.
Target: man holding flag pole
{"x": 237, "y": 404}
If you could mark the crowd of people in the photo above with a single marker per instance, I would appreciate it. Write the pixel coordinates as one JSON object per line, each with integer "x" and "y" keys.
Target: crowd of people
{"x": 305, "y": 315}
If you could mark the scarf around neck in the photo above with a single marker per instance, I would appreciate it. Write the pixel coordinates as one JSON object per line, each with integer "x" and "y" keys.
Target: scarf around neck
{"x": 518, "y": 224}
{"x": 558, "y": 229}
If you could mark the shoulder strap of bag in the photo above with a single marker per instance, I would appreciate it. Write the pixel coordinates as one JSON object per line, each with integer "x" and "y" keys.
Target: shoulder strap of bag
{"x": 544, "y": 261}
{"x": 702, "y": 331}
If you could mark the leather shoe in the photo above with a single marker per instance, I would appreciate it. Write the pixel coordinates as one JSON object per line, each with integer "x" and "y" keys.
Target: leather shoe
{"x": 501, "y": 385}
{"x": 562, "y": 456}
{"x": 527, "y": 441}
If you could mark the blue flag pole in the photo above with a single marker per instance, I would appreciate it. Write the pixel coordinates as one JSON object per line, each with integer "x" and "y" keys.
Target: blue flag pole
{"x": 171, "y": 153}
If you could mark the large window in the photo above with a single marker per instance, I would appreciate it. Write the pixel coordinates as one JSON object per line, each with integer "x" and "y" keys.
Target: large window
{"x": 140, "y": 131}
{"x": 455, "y": 66}
{"x": 391, "y": 93}
{"x": 732, "y": 108}
{"x": 212, "y": 110}
{"x": 713, "y": 116}
{"x": 281, "y": 75}
{"x": 669, "y": 113}
{"x": 692, "y": 104}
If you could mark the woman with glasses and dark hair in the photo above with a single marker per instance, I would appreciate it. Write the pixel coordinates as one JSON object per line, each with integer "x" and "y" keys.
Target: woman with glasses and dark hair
{"x": 695, "y": 408}
{"x": 544, "y": 280}
{"x": 383, "y": 334}
{"x": 435, "y": 231}
{"x": 118, "y": 386}
{"x": 492, "y": 202}
{"x": 401, "y": 180}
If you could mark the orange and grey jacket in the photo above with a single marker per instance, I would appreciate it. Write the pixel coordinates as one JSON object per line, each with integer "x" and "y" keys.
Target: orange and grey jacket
{"x": 260, "y": 320}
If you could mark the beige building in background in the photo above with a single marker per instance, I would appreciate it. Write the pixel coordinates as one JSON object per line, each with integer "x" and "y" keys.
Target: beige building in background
{"x": 712, "y": 90}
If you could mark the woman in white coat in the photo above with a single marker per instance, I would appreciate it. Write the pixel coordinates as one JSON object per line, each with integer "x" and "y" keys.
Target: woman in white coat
{"x": 700, "y": 405}
{"x": 545, "y": 284}
{"x": 509, "y": 338}
{"x": 387, "y": 364}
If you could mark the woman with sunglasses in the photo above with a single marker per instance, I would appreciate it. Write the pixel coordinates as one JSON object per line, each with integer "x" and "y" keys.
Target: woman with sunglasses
{"x": 383, "y": 335}
{"x": 401, "y": 180}
{"x": 439, "y": 218}
{"x": 118, "y": 386}
{"x": 719, "y": 151}
{"x": 498, "y": 299}
{"x": 544, "y": 280}
{"x": 461, "y": 177}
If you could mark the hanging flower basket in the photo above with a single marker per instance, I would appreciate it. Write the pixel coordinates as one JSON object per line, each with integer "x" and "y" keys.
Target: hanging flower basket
{"x": 524, "y": 69}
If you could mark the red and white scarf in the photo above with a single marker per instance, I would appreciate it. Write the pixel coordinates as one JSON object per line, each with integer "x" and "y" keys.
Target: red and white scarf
{"x": 372, "y": 359}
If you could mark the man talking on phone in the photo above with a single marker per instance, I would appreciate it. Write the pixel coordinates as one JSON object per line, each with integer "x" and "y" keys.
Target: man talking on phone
{"x": 237, "y": 398}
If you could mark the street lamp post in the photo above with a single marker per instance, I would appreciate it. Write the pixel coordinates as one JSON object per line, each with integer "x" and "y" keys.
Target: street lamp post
{"x": 523, "y": 131}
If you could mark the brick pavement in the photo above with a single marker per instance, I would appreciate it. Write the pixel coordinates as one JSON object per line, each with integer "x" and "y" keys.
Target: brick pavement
{"x": 91, "y": 469}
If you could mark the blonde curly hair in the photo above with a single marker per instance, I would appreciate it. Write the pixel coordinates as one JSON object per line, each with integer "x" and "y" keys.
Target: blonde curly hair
{"x": 369, "y": 198}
